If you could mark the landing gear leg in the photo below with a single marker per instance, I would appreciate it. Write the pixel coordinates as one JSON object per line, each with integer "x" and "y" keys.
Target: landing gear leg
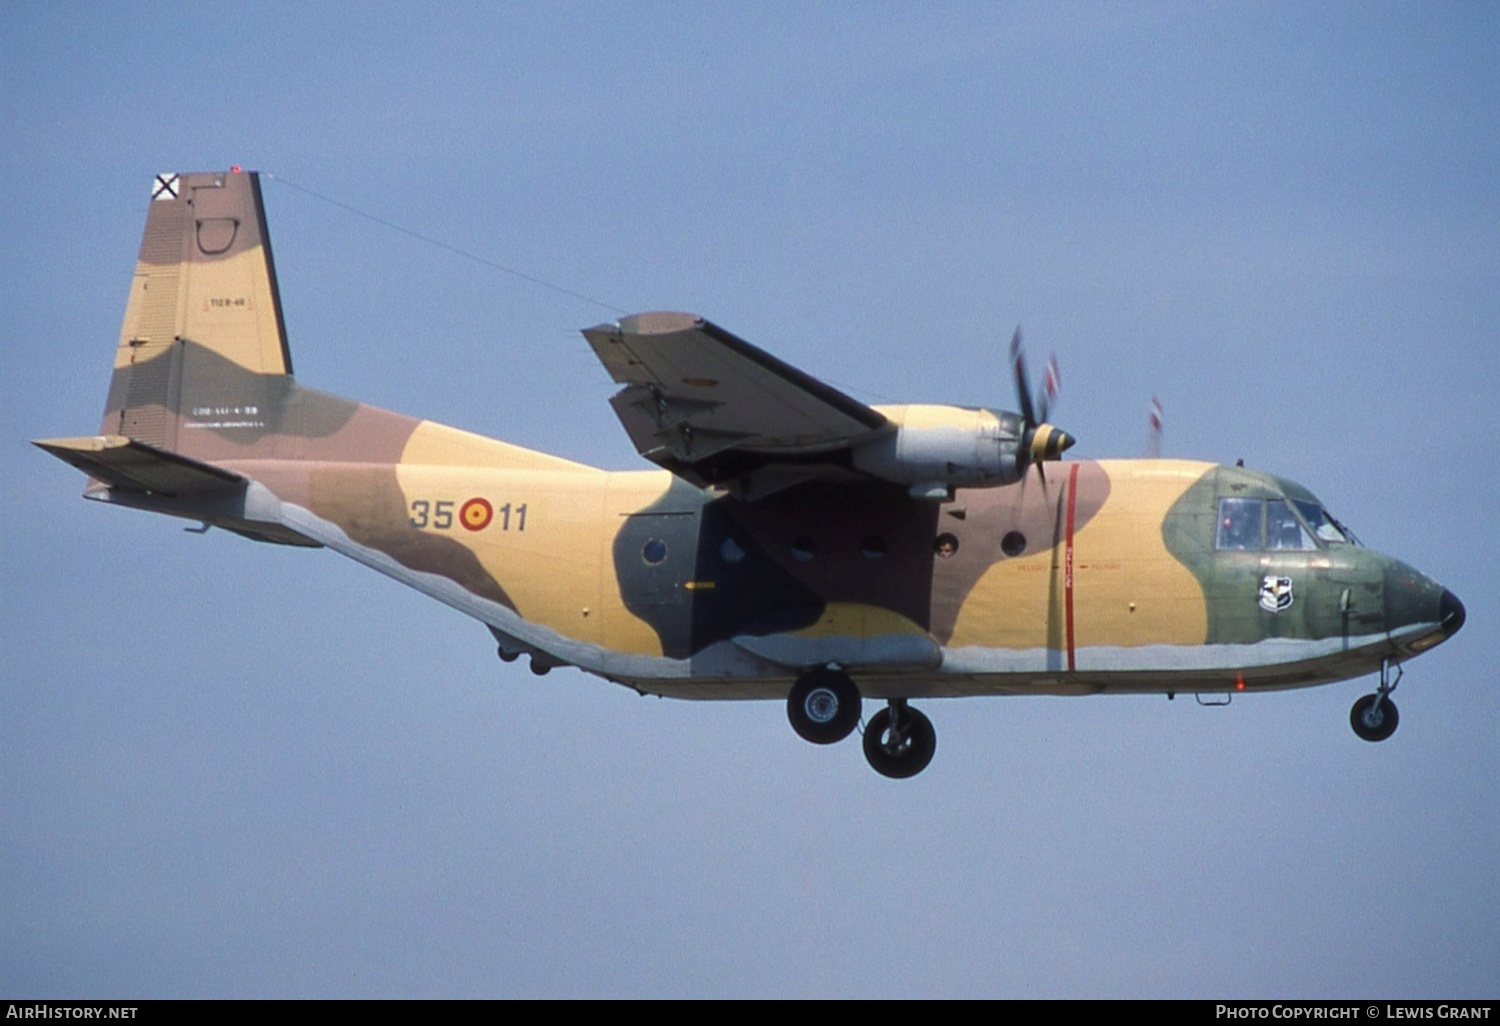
{"x": 899, "y": 741}
{"x": 1374, "y": 717}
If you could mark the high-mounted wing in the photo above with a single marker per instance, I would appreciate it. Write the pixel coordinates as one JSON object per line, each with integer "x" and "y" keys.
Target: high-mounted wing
{"x": 714, "y": 409}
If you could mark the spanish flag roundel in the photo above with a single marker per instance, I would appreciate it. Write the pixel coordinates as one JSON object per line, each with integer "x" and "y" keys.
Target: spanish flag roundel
{"x": 476, "y": 514}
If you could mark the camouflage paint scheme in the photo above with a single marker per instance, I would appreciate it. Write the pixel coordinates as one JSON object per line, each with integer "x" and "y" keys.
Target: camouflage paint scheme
{"x": 1105, "y": 577}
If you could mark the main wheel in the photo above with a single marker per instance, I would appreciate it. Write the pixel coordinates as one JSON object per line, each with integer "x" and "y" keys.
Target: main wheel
{"x": 902, "y": 753}
{"x": 823, "y": 706}
{"x": 1372, "y": 723}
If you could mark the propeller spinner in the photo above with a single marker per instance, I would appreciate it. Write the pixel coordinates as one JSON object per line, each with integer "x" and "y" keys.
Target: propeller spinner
{"x": 1042, "y": 441}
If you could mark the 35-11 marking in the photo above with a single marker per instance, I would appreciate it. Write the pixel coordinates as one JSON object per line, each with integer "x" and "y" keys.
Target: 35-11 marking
{"x": 473, "y": 515}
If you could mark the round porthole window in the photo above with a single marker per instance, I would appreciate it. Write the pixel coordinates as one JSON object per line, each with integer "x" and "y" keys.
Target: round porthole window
{"x": 804, "y": 549}
{"x": 732, "y": 551}
{"x": 946, "y": 545}
{"x": 1013, "y": 544}
{"x": 654, "y": 551}
{"x": 872, "y": 547}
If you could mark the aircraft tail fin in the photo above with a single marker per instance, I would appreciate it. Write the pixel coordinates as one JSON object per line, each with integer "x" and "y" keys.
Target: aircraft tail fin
{"x": 203, "y": 307}
{"x": 202, "y": 373}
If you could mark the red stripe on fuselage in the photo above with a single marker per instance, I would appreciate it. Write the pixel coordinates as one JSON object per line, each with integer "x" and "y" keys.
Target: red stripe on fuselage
{"x": 1068, "y": 562}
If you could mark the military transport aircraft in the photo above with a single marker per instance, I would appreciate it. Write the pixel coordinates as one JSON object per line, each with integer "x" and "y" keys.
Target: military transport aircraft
{"x": 797, "y": 544}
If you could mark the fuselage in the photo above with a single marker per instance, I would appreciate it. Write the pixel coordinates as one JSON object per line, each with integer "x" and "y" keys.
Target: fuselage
{"x": 1108, "y": 575}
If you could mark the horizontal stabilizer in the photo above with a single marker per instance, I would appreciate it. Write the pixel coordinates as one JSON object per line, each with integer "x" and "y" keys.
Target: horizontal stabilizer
{"x": 137, "y": 467}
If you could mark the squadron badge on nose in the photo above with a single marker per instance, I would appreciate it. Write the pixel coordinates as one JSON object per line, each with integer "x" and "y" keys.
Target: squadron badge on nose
{"x": 1275, "y": 593}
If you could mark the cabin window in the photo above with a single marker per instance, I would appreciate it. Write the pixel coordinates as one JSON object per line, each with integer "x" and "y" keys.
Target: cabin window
{"x": 1239, "y": 525}
{"x": 1013, "y": 544}
{"x": 1283, "y": 530}
{"x": 654, "y": 551}
{"x": 732, "y": 551}
{"x": 946, "y": 545}
{"x": 872, "y": 547}
{"x": 804, "y": 549}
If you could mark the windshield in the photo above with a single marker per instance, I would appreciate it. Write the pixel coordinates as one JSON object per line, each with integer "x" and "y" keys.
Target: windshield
{"x": 1283, "y": 529}
{"x": 1324, "y": 525}
{"x": 1255, "y": 525}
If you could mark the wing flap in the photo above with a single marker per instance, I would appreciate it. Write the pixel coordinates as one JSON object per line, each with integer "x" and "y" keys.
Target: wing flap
{"x": 137, "y": 467}
{"x": 666, "y": 430}
{"x": 711, "y": 407}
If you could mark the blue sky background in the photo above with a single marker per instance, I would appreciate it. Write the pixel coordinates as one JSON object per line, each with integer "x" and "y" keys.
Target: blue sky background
{"x": 237, "y": 769}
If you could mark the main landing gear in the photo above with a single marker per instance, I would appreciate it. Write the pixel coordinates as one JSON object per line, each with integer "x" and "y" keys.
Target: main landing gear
{"x": 824, "y": 707}
{"x": 1374, "y": 717}
{"x": 899, "y": 741}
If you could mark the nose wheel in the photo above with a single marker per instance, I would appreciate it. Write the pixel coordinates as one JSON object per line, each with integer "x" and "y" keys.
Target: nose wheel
{"x": 1374, "y": 717}
{"x": 1371, "y": 721}
{"x": 899, "y": 741}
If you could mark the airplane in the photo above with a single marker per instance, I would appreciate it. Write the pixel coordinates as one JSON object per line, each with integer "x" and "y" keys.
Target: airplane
{"x": 794, "y": 544}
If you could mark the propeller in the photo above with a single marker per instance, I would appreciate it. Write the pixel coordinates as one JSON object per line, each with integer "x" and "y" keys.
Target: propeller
{"x": 1041, "y": 441}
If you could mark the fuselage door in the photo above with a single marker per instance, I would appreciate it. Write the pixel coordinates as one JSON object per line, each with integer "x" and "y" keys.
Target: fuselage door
{"x": 653, "y": 551}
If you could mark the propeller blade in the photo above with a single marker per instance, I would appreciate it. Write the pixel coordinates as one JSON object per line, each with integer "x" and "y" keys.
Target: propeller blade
{"x": 1023, "y": 387}
{"x": 1039, "y": 441}
{"x": 1051, "y": 385}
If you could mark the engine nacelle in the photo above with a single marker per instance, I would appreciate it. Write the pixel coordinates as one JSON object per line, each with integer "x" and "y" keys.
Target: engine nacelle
{"x": 935, "y": 449}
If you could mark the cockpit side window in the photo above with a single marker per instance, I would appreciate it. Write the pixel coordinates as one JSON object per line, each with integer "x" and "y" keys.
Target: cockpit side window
{"x": 1239, "y": 525}
{"x": 1283, "y": 530}
{"x": 1324, "y": 526}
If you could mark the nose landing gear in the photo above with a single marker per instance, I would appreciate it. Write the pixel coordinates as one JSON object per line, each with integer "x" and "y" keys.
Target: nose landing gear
{"x": 1374, "y": 717}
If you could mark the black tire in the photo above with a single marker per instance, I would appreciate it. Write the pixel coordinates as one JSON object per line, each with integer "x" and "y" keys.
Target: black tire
{"x": 1374, "y": 724}
{"x": 910, "y": 755}
{"x": 823, "y": 706}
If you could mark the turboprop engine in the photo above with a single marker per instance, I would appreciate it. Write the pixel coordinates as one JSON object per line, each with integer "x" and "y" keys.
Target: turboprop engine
{"x": 935, "y": 449}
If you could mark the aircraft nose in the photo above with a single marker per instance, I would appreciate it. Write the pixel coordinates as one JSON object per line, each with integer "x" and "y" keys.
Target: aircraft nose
{"x": 1415, "y": 604}
{"x": 1451, "y": 613}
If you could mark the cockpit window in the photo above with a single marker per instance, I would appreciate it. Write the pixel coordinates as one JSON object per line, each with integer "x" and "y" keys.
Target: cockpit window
{"x": 1251, "y": 525}
{"x": 1324, "y": 526}
{"x": 1239, "y": 525}
{"x": 1283, "y": 529}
